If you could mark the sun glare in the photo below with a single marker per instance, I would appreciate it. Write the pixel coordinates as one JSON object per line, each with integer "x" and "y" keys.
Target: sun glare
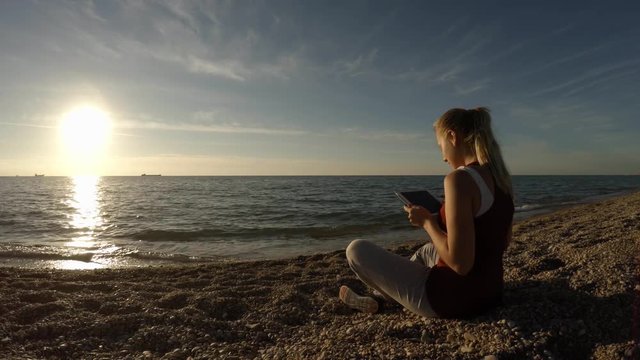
{"x": 85, "y": 128}
{"x": 84, "y": 133}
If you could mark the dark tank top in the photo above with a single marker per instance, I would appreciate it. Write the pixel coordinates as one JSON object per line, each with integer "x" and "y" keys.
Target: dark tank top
{"x": 455, "y": 296}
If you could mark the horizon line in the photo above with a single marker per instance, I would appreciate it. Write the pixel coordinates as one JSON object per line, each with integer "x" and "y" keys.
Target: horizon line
{"x": 296, "y": 175}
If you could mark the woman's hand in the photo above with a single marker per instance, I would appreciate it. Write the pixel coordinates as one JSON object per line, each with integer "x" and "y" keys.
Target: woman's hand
{"x": 417, "y": 215}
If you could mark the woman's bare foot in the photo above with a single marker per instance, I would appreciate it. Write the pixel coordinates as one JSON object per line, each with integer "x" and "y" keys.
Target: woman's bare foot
{"x": 363, "y": 303}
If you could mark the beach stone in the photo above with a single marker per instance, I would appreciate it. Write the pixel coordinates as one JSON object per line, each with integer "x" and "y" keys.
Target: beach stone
{"x": 147, "y": 354}
{"x": 424, "y": 337}
{"x": 490, "y": 357}
{"x": 628, "y": 352}
{"x": 451, "y": 338}
{"x": 408, "y": 353}
{"x": 469, "y": 336}
{"x": 466, "y": 349}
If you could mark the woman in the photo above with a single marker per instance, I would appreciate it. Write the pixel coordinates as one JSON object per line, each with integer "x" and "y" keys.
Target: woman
{"x": 460, "y": 272}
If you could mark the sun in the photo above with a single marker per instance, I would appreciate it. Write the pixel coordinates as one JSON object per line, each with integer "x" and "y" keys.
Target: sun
{"x": 85, "y": 128}
{"x": 84, "y": 133}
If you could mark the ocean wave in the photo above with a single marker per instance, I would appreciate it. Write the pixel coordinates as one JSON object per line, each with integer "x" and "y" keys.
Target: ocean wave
{"x": 314, "y": 232}
{"x": 32, "y": 255}
{"x": 155, "y": 256}
{"x": 120, "y": 257}
{"x": 152, "y": 235}
{"x": 528, "y": 207}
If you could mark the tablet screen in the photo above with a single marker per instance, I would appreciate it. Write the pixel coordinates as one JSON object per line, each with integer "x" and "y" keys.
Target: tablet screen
{"x": 422, "y": 198}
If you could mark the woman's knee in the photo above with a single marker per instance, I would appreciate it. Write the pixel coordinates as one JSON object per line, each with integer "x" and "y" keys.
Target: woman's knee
{"x": 357, "y": 249}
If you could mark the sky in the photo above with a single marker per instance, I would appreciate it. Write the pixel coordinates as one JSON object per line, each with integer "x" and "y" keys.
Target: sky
{"x": 316, "y": 87}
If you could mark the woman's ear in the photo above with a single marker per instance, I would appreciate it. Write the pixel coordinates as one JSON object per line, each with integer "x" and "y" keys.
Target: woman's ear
{"x": 451, "y": 137}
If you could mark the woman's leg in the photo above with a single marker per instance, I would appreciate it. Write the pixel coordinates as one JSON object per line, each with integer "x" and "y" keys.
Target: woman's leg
{"x": 392, "y": 275}
{"x": 426, "y": 255}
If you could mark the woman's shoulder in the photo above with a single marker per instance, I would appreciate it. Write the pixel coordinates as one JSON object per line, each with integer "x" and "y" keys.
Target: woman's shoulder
{"x": 470, "y": 175}
{"x": 459, "y": 180}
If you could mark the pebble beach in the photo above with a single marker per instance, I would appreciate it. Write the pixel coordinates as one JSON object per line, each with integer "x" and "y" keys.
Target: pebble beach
{"x": 571, "y": 281}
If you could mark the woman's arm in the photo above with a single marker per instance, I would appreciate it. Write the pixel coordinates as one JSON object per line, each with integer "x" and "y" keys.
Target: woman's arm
{"x": 456, "y": 247}
{"x": 509, "y": 235}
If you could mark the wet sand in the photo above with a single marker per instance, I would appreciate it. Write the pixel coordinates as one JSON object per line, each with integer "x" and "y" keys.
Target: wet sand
{"x": 571, "y": 288}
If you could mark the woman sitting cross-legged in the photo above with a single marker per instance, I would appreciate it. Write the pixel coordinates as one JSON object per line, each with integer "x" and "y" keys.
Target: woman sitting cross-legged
{"x": 460, "y": 272}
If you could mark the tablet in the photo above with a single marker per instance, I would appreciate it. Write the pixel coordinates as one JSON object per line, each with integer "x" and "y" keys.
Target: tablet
{"x": 422, "y": 198}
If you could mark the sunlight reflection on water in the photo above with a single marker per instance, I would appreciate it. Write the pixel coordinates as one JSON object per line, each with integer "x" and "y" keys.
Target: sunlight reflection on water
{"x": 75, "y": 265}
{"x": 87, "y": 210}
{"x": 86, "y": 220}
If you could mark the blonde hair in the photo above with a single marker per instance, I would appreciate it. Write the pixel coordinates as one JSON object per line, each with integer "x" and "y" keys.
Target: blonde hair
{"x": 474, "y": 126}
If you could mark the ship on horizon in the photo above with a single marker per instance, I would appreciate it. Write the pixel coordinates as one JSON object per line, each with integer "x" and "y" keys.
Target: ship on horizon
{"x": 150, "y": 175}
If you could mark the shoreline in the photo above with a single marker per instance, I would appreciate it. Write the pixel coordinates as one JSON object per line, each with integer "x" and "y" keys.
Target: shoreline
{"x": 571, "y": 280}
{"x": 551, "y": 208}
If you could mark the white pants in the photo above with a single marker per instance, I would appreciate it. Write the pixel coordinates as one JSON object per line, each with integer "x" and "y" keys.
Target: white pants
{"x": 401, "y": 279}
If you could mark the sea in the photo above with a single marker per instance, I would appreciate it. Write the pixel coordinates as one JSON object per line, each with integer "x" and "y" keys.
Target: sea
{"x": 109, "y": 222}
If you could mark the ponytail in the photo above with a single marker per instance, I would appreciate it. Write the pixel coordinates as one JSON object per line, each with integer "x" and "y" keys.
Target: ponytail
{"x": 475, "y": 128}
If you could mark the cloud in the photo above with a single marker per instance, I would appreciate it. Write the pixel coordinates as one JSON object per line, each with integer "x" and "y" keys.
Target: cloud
{"x": 196, "y": 37}
{"x": 576, "y": 117}
{"x": 227, "y": 129}
{"x": 500, "y": 55}
{"x": 28, "y": 125}
{"x": 230, "y": 70}
{"x": 473, "y": 87}
{"x": 597, "y": 75}
{"x": 563, "y": 29}
{"x": 282, "y": 68}
{"x": 459, "y": 54}
{"x": 574, "y": 56}
{"x": 602, "y": 80}
{"x": 362, "y": 64}
{"x": 182, "y": 164}
{"x": 208, "y": 38}
{"x": 236, "y": 128}
{"x": 381, "y": 135}
{"x": 433, "y": 75}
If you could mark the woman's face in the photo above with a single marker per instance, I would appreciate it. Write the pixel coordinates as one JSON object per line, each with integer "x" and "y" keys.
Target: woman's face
{"x": 442, "y": 144}
{"x": 446, "y": 142}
